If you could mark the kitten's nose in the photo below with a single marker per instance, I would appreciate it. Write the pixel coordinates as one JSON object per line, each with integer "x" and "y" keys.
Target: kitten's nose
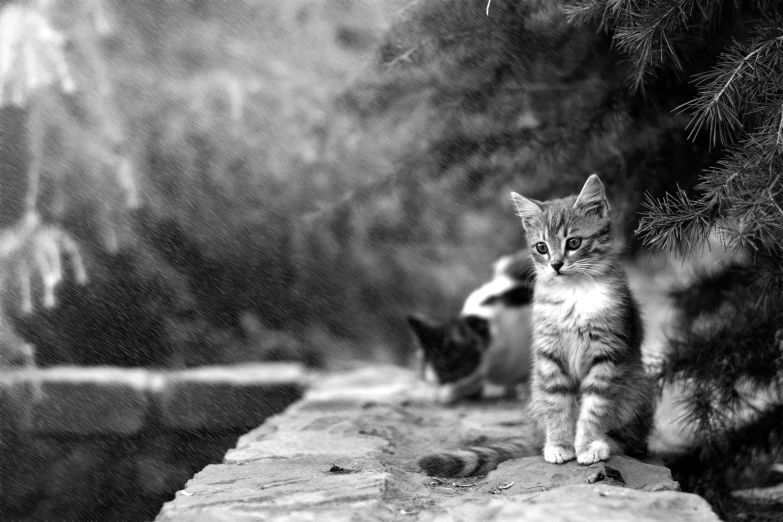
{"x": 557, "y": 265}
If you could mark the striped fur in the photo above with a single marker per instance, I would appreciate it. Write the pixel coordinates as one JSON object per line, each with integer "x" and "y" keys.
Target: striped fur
{"x": 476, "y": 460}
{"x": 590, "y": 395}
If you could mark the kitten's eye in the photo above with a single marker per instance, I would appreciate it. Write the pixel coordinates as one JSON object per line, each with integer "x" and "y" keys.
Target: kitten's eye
{"x": 541, "y": 248}
{"x": 573, "y": 243}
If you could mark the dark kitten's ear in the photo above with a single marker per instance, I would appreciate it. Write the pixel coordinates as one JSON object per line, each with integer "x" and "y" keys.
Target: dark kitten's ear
{"x": 479, "y": 325}
{"x": 527, "y": 209}
{"x": 592, "y": 199}
{"x": 420, "y": 327}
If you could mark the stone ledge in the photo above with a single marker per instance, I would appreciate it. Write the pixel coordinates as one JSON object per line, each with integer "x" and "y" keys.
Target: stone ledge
{"x": 584, "y": 503}
{"x": 214, "y": 397}
{"x": 276, "y": 486}
{"x": 109, "y": 400}
{"x": 79, "y": 401}
{"x": 347, "y": 452}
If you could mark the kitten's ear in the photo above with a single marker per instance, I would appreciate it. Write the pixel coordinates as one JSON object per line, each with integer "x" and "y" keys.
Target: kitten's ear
{"x": 593, "y": 197}
{"x": 527, "y": 209}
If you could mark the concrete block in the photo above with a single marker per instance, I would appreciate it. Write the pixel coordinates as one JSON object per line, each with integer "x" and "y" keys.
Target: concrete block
{"x": 226, "y": 397}
{"x": 83, "y": 400}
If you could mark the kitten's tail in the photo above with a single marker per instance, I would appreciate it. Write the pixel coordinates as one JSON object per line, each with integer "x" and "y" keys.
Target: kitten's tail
{"x": 476, "y": 460}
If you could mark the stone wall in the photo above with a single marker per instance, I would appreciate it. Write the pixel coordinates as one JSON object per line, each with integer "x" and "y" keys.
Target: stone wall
{"x": 347, "y": 452}
{"x": 101, "y": 443}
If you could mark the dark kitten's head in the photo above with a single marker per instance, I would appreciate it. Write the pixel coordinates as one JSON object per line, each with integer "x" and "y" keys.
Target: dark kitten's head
{"x": 569, "y": 236}
{"x": 454, "y": 347}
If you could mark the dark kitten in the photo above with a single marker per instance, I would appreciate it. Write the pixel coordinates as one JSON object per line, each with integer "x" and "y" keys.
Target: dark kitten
{"x": 489, "y": 342}
{"x": 452, "y": 349}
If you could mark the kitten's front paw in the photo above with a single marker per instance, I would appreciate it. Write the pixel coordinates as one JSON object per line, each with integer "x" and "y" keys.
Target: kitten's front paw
{"x": 597, "y": 451}
{"x": 558, "y": 454}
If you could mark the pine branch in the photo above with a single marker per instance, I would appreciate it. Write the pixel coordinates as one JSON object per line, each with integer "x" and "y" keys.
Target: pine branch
{"x": 674, "y": 223}
{"x": 742, "y": 198}
{"x": 654, "y": 34}
{"x": 724, "y": 97}
{"x": 649, "y": 34}
{"x": 588, "y": 12}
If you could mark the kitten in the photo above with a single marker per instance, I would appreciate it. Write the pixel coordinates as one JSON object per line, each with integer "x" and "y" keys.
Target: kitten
{"x": 451, "y": 353}
{"x": 489, "y": 343}
{"x": 590, "y": 395}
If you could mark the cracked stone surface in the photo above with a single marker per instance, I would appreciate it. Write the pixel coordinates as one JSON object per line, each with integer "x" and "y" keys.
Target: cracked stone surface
{"x": 347, "y": 451}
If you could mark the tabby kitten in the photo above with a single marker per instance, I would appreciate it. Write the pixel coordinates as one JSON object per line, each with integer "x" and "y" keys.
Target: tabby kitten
{"x": 590, "y": 395}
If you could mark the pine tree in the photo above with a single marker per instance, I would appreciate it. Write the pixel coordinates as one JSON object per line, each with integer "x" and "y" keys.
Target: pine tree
{"x": 727, "y": 349}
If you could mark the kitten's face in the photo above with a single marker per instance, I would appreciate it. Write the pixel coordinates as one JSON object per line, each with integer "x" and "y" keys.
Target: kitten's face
{"x": 454, "y": 348}
{"x": 569, "y": 237}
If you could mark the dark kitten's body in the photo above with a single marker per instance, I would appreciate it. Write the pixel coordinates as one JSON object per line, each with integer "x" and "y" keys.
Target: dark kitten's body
{"x": 488, "y": 343}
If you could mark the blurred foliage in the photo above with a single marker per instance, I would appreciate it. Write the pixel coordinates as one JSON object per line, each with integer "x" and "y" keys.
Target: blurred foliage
{"x": 42, "y": 115}
{"x": 32, "y": 54}
{"x": 258, "y": 179}
{"x": 198, "y": 163}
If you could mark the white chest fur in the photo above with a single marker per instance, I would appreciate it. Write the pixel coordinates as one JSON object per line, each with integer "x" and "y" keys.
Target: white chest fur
{"x": 572, "y": 303}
